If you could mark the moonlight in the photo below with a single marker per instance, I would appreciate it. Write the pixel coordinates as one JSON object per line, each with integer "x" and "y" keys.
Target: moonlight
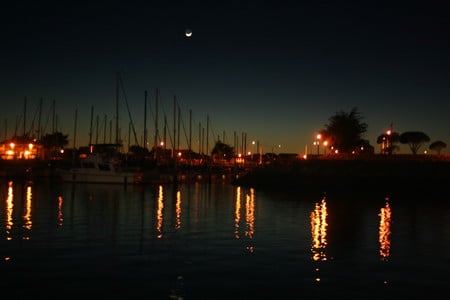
{"x": 188, "y": 32}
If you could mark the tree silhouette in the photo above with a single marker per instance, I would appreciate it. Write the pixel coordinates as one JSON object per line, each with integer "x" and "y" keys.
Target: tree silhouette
{"x": 344, "y": 131}
{"x": 53, "y": 143}
{"x": 438, "y": 146}
{"x": 223, "y": 151}
{"x": 414, "y": 139}
{"x": 54, "y": 140}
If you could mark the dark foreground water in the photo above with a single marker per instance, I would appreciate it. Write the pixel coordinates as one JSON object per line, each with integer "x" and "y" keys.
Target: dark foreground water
{"x": 219, "y": 241}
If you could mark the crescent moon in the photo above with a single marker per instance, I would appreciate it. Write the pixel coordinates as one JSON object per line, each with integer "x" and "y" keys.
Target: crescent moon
{"x": 188, "y": 33}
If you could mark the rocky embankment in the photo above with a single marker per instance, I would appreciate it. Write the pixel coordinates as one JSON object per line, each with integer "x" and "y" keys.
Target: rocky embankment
{"x": 404, "y": 175}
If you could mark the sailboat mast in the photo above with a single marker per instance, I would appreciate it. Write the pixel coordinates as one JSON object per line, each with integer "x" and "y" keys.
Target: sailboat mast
{"x": 145, "y": 120}
{"x": 200, "y": 150}
{"x": 104, "y": 129}
{"x": 54, "y": 117}
{"x": 24, "y": 116}
{"x": 39, "y": 121}
{"x": 156, "y": 126}
{"x": 6, "y": 129}
{"x": 207, "y": 134}
{"x": 179, "y": 129}
{"x": 174, "y": 125}
{"x": 90, "y": 129}
{"x": 190, "y": 137}
{"x": 117, "y": 107}
{"x": 190, "y": 131}
{"x": 75, "y": 130}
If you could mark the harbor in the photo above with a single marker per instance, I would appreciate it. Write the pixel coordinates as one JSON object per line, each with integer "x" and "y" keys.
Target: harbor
{"x": 38, "y": 171}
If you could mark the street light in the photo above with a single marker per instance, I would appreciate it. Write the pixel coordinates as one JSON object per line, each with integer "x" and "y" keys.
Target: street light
{"x": 257, "y": 150}
{"x": 317, "y": 142}
{"x": 253, "y": 143}
{"x": 278, "y": 146}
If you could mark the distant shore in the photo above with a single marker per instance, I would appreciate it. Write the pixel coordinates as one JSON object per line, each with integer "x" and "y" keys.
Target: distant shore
{"x": 386, "y": 174}
{"x": 424, "y": 174}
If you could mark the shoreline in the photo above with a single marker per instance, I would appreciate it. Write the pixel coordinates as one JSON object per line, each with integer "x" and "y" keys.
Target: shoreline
{"x": 359, "y": 174}
{"x": 421, "y": 174}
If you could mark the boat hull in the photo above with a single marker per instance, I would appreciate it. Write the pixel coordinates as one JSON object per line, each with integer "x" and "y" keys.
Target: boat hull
{"x": 87, "y": 176}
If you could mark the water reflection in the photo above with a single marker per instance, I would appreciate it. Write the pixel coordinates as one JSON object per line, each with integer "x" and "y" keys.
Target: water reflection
{"x": 250, "y": 217}
{"x": 9, "y": 211}
{"x": 250, "y": 214}
{"x": 319, "y": 225}
{"x": 244, "y": 217}
{"x": 237, "y": 212}
{"x": 161, "y": 232}
{"x": 178, "y": 210}
{"x": 249, "y": 226}
{"x": 27, "y": 222}
{"x": 160, "y": 212}
{"x": 319, "y": 231}
{"x": 385, "y": 231}
{"x": 60, "y": 211}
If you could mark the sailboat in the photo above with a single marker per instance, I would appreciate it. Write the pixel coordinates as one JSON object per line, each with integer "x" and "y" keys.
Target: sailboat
{"x": 102, "y": 163}
{"x": 100, "y": 167}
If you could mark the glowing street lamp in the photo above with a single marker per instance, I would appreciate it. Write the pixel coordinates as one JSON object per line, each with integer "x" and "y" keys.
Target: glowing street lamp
{"x": 317, "y": 142}
{"x": 254, "y": 151}
{"x": 278, "y": 146}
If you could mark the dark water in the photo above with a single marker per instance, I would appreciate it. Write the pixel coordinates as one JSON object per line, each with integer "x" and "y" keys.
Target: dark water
{"x": 203, "y": 241}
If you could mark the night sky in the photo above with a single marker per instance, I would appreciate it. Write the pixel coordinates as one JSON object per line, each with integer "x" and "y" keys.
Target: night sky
{"x": 274, "y": 70}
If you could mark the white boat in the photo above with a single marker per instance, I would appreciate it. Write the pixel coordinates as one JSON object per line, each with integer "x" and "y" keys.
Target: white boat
{"x": 95, "y": 168}
{"x": 101, "y": 164}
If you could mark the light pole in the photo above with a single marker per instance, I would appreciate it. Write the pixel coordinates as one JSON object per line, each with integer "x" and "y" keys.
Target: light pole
{"x": 317, "y": 142}
{"x": 388, "y": 142}
{"x": 278, "y": 146}
{"x": 273, "y": 151}
{"x": 260, "y": 150}
{"x": 253, "y": 152}
{"x": 271, "y": 155}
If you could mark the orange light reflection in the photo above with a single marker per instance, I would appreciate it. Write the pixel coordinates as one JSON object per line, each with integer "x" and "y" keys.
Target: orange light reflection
{"x": 27, "y": 222}
{"x": 249, "y": 216}
{"x": 60, "y": 212}
{"x": 384, "y": 231}
{"x": 159, "y": 212}
{"x": 237, "y": 214}
{"x": 319, "y": 231}
{"x": 9, "y": 211}
{"x": 178, "y": 211}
